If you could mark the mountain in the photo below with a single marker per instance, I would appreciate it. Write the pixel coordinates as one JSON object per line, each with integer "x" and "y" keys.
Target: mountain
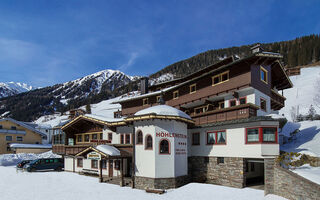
{"x": 110, "y": 83}
{"x": 12, "y": 88}
{"x": 61, "y": 97}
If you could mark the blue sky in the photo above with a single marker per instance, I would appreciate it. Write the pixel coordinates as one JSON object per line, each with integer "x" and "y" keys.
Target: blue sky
{"x": 47, "y": 42}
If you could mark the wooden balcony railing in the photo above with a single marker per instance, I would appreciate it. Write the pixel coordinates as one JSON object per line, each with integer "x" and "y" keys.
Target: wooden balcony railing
{"x": 277, "y": 100}
{"x": 226, "y": 114}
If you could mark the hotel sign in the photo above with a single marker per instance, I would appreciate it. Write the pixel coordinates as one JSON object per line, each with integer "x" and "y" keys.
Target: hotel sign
{"x": 94, "y": 156}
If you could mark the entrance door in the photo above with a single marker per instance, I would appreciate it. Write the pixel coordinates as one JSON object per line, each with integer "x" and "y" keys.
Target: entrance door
{"x": 110, "y": 168}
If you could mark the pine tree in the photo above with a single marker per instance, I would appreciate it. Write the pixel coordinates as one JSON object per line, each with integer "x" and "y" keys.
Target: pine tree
{"x": 311, "y": 113}
{"x": 88, "y": 108}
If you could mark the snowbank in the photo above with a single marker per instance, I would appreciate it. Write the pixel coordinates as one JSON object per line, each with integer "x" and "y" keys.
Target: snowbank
{"x": 163, "y": 110}
{"x": 13, "y": 159}
{"x": 307, "y": 140}
{"x": 109, "y": 150}
{"x": 308, "y": 172}
{"x": 72, "y": 186}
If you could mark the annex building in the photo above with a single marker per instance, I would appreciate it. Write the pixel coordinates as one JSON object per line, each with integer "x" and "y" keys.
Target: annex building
{"x": 210, "y": 126}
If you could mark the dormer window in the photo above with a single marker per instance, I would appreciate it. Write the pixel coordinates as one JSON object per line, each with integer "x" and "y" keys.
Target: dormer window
{"x": 264, "y": 75}
{"x": 193, "y": 88}
{"x": 176, "y": 94}
{"x": 145, "y": 101}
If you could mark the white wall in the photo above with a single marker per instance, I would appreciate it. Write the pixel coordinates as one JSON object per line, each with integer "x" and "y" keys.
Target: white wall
{"x": 235, "y": 143}
{"x": 68, "y": 164}
{"x": 150, "y": 163}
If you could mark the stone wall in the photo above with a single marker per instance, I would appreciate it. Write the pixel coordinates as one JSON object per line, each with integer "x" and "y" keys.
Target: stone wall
{"x": 207, "y": 170}
{"x": 269, "y": 175}
{"x": 290, "y": 185}
{"x": 160, "y": 183}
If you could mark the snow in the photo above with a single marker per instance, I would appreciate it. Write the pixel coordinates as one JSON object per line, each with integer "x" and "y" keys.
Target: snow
{"x": 163, "y": 110}
{"x": 307, "y": 140}
{"x": 302, "y": 94}
{"x": 72, "y": 186}
{"x": 163, "y": 78}
{"x": 52, "y": 120}
{"x": 38, "y": 146}
{"x": 14, "y": 159}
{"x": 11, "y": 88}
{"x": 109, "y": 150}
{"x": 103, "y": 118}
{"x": 289, "y": 127}
{"x": 308, "y": 172}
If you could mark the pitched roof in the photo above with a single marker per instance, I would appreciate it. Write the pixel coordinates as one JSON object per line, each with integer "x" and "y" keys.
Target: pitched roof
{"x": 25, "y": 126}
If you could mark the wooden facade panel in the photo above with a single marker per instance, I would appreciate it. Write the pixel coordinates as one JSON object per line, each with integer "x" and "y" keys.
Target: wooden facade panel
{"x": 256, "y": 81}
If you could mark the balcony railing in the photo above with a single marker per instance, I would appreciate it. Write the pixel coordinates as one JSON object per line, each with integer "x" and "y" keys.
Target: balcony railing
{"x": 232, "y": 113}
{"x": 277, "y": 100}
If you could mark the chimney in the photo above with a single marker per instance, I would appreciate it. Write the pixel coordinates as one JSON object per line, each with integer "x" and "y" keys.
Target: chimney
{"x": 256, "y": 48}
{"x": 144, "y": 85}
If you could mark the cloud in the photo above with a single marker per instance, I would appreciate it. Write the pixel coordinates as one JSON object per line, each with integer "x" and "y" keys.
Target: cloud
{"x": 131, "y": 61}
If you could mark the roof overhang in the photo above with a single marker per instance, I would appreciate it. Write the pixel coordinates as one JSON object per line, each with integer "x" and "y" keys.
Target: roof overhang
{"x": 154, "y": 116}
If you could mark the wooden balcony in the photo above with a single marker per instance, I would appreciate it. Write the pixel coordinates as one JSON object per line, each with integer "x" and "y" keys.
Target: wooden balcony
{"x": 62, "y": 149}
{"x": 232, "y": 113}
{"x": 277, "y": 100}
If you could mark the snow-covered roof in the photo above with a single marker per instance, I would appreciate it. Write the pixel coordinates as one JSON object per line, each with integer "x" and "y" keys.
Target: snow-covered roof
{"x": 109, "y": 150}
{"x": 103, "y": 118}
{"x": 33, "y": 146}
{"x": 163, "y": 110}
{"x": 25, "y": 126}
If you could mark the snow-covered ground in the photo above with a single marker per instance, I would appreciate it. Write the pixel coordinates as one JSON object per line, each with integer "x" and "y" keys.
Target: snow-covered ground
{"x": 302, "y": 94}
{"x": 13, "y": 159}
{"x": 308, "y": 139}
{"x": 308, "y": 172}
{"x": 71, "y": 186}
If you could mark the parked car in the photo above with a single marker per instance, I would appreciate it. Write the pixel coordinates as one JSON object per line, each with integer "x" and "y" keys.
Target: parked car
{"x": 45, "y": 164}
{"x": 23, "y": 163}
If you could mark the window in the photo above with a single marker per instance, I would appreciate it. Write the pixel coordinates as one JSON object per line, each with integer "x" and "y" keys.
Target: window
{"x": 195, "y": 138}
{"x": 148, "y": 142}
{"x": 110, "y": 137}
{"x": 220, "y": 160}
{"x": 253, "y": 135}
{"x": 176, "y": 94}
{"x": 269, "y": 134}
{"x": 264, "y": 75}
{"x": 122, "y": 139}
{"x": 242, "y": 100}
{"x": 19, "y": 138}
{"x": 193, "y": 88}
{"x": 101, "y": 136}
{"x": 216, "y": 137}
{"x": 79, "y": 162}
{"x": 1, "y": 127}
{"x": 94, "y": 164}
{"x": 211, "y": 138}
{"x": 94, "y": 136}
{"x": 8, "y": 138}
{"x": 127, "y": 138}
{"x": 221, "y": 104}
{"x": 220, "y": 78}
{"x": 263, "y": 104}
{"x": 232, "y": 103}
{"x": 202, "y": 109}
{"x": 221, "y": 137}
{"x": 158, "y": 99}
{"x": 79, "y": 138}
{"x": 103, "y": 164}
{"x": 145, "y": 101}
{"x": 206, "y": 160}
{"x": 86, "y": 138}
{"x": 117, "y": 164}
{"x": 164, "y": 147}
{"x": 13, "y": 128}
{"x": 139, "y": 137}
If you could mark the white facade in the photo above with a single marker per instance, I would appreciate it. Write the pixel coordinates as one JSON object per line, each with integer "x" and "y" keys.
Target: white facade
{"x": 150, "y": 162}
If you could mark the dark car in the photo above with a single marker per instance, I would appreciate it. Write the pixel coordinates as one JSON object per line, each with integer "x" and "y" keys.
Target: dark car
{"x": 45, "y": 164}
{"x": 22, "y": 163}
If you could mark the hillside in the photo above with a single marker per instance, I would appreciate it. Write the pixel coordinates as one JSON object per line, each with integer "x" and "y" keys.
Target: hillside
{"x": 61, "y": 97}
{"x": 12, "y": 88}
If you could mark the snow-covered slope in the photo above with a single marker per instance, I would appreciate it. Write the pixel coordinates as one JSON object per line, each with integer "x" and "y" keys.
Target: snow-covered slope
{"x": 305, "y": 88}
{"x": 12, "y": 88}
{"x": 163, "y": 78}
{"x": 307, "y": 140}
